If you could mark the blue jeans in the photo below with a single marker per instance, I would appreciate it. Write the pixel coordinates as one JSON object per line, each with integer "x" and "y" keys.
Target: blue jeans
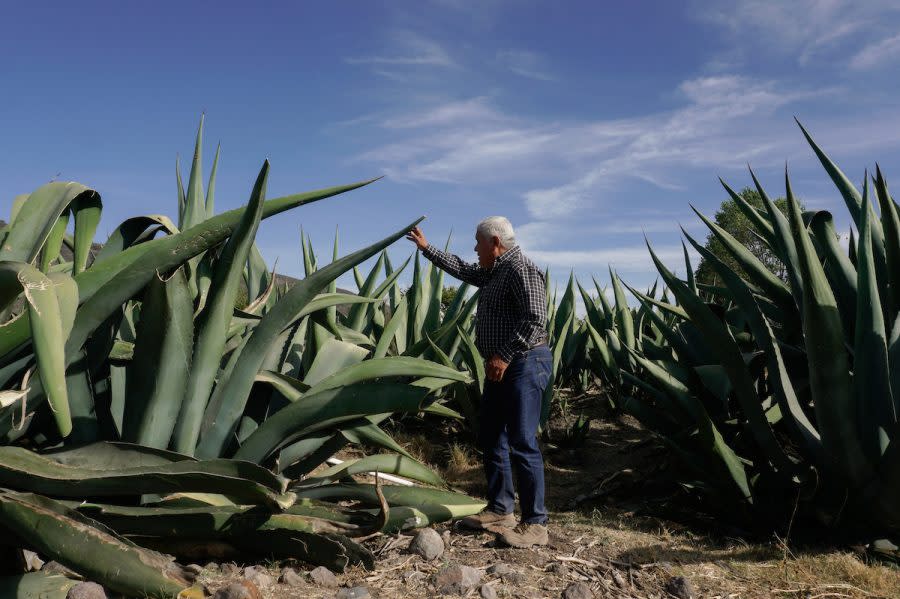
{"x": 510, "y": 415}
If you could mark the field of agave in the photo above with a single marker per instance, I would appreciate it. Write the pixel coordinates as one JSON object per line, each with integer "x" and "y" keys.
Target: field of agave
{"x": 145, "y": 408}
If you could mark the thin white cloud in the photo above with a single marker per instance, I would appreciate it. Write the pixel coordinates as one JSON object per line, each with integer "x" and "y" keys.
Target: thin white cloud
{"x": 525, "y": 63}
{"x": 877, "y": 54}
{"x": 409, "y": 50}
{"x": 632, "y": 259}
{"x": 806, "y": 30}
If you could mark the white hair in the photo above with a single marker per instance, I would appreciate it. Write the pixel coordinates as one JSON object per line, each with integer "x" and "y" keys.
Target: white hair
{"x": 500, "y": 227}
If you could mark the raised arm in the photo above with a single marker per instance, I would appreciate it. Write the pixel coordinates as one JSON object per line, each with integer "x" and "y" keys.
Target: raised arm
{"x": 454, "y": 266}
{"x": 473, "y": 274}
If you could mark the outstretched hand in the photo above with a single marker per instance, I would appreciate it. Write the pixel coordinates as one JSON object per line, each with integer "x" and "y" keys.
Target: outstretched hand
{"x": 418, "y": 238}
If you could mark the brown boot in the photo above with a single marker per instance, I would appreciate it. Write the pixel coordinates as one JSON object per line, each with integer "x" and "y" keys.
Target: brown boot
{"x": 524, "y": 535}
{"x": 488, "y": 520}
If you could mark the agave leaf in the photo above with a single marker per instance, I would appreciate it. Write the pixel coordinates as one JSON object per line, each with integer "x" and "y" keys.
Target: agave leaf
{"x": 22, "y": 469}
{"x": 763, "y": 226}
{"x": 829, "y": 368}
{"x": 392, "y": 366}
{"x": 801, "y": 429}
{"x": 358, "y": 312}
{"x": 61, "y": 534}
{"x": 871, "y": 373}
{"x": 37, "y": 217}
{"x": 236, "y": 387}
{"x": 841, "y": 272}
{"x": 326, "y": 408}
{"x": 473, "y": 359}
{"x": 731, "y": 359}
{"x": 107, "y": 455}
{"x": 36, "y": 585}
{"x": 47, "y": 330}
{"x": 333, "y": 357}
{"x": 430, "y": 506}
{"x": 213, "y": 322}
{"x": 415, "y": 317}
{"x": 382, "y": 463}
{"x": 853, "y": 201}
{"x": 755, "y": 269}
{"x": 158, "y": 373}
{"x": 211, "y": 187}
{"x": 133, "y": 231}
{"x": 86, "y": 209}
{"x": 54, "y": 241}
{"x": 710, "y": 436}
{"x": 782, "y": 240}
{"x": 891, "y": 225}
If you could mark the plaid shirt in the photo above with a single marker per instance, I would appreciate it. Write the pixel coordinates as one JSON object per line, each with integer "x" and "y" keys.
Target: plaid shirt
{"x": 512, "y": 308}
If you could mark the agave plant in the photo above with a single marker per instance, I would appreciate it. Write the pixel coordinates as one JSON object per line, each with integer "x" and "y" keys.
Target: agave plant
{"x": 779, "y": 391}
{"x": 143, "y": 344}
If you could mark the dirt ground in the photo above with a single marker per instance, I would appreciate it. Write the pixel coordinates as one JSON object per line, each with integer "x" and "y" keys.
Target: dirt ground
{"x": 618, "y": 524}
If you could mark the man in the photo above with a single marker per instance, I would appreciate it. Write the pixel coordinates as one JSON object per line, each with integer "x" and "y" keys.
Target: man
{"x": 511, "y": 335}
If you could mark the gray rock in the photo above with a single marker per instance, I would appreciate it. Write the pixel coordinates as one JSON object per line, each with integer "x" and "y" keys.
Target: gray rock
{"x": 413, "y": 577}
{"x": 499, "y": 569}
{"x": 513, "y": 578}
{"x": 212, "y": 567}
{"x": 578, "y": 590}
{"x": 86, "y": 590}
{"x": 258, "y": 576}
{"x": 487, "y": 592}
{"x": 243, "y": 589}
{"x": 54, "y": 567}
{"x": 428, "y": 544}
{"x": 445, "y": 536}
{"x": 230, "y": 569}
{"x": 558, "y": 568}
{"x": 323, "y": 577}
{"x": 32, "y": 561}
{"x": 195, "y": 568}
{"x": 455, "y": 579}
{"x": 680, "y": 587}
{"x": 291, "y": 577}
{"x": 353, "y": 593}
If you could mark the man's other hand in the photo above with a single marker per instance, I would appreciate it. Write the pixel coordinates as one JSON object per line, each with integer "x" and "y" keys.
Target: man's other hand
{"x": 495, "y": 368}
{"x": 418, "y": 238}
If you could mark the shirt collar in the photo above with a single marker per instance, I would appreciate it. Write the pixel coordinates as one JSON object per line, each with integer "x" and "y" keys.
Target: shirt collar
{"x": 507, "y": 256}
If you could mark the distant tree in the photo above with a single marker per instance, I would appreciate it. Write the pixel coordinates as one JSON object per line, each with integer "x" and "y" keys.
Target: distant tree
{"x": 730, "y": 218}
{"x": 447, "y": 296}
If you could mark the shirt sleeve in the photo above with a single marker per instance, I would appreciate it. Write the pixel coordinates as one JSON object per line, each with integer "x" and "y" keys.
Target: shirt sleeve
{"x": 472, "y": 274}
{"x": 529, "y": 298}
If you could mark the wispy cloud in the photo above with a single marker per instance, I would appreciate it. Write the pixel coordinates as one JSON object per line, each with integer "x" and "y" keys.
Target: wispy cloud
{"x": 632, "y": 259}
{"x": 806, "y": 30}
{"x": 408, "y": 49}
{"x": 525, "y": 63}
{"x": 877, "y": 54}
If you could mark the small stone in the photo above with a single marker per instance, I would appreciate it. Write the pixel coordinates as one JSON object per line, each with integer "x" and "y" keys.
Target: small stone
{"x": 428, "y": 544}
{"x": 32, "y": 561}
{"x": 54, "y": 567}
{"x": 445, "y": 536}
{"x": 212, "y": 567}
{"x": 558, "y": 568}
{"x": 243, "y": 589}
{"x": 578, "y": 590}
{"x": 230, "y": 569}
{"x": 487, "y": 592}
{"x": 456, "y": 579}
{"x": 195, "y": 568}
{"x": 86, "y": 590}
{"x": 291, "y": 577}
{"x": 413, "y": 577}
{"x": 681, "y": 587}
{"x": 499, "y": 569}
{"x": 258, "y": 576}
{"x": 353, "y": 593}
{"x": 323, "y": 577}
{"x": 513, "y": 578}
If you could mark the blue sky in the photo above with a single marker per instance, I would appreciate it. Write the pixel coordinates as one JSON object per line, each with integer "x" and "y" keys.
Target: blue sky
{"x": 585, "y": 123}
